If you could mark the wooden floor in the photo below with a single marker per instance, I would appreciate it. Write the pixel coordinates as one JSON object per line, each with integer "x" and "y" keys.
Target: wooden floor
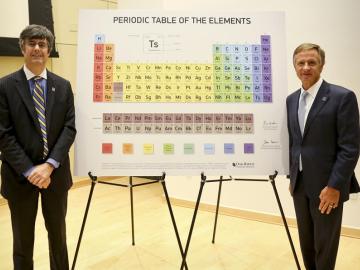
{"x": 240, "y": 244}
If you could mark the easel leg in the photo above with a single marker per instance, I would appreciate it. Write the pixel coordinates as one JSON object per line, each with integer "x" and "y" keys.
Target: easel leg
{"x": 132, "y": 211}
{"x": 173, "y": 222}
{"x": 93, "y": 182}
{"x": 202, "y": 183}
{"x": 285, "y": 223}
{"x": 217, "y": 209}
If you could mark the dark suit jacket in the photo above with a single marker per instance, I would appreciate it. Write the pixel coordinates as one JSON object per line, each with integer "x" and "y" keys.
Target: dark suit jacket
{"x": 330, "y": 144}
{"x": 21, "y": 143}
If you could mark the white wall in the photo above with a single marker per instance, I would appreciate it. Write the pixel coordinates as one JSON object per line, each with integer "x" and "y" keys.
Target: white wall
{"x": 332, "y": 24}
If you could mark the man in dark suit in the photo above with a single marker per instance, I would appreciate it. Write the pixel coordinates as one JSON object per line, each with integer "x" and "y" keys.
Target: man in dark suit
{"x": 37, "y": 128}
{"x": 324, "y": 136}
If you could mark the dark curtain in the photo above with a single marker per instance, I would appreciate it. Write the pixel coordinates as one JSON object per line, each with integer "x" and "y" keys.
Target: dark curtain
{"x": 40, "y": 12}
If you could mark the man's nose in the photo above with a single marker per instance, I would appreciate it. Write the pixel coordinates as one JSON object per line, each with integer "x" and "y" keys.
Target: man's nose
{"x": 306, "y": 66}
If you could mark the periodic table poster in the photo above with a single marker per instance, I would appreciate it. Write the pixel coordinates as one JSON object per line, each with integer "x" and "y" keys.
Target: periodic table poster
{"x": 181, "y": 93}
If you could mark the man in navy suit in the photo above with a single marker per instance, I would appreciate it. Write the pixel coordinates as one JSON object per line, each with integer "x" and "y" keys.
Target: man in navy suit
{"x": 37, "y": 129}
{"x": 324, "y": 137}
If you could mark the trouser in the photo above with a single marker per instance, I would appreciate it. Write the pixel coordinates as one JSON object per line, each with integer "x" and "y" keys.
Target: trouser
{"x": 23, "y": 215}
{"x": 319, "y": 234}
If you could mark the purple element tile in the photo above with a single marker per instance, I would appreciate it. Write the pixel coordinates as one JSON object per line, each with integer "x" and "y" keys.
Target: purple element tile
{"x": 265, "y": 39}
{"x": 249, "y": 148}
{"x": 266, "y": 68}
{"x": 267, "y": 97}
{"x": 266, "y": 78}
{"x": 267, "y": 88}
{"x": 266, "y": 58}
{"x": 265, "y": 50}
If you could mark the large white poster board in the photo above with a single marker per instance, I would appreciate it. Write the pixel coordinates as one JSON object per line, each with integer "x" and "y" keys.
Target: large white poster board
{"x": 181, "y": 93}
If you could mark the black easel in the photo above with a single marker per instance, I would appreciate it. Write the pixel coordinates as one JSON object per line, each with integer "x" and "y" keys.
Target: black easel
{"x": 152, "y": 180}
{"x": 202, "y": 183}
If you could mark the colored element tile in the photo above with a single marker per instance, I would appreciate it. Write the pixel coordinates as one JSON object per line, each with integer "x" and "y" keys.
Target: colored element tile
{"x": 209, "y": 149}
{"x": 189, "y": 148}
{"x": 229, "y": 148}
{"x": 168, "y": 148}
{"x": 107, "y": 148}
{"x": 128, "y": 148}
{"x": 249, "y": 148}
{"x": 148, "y": 149}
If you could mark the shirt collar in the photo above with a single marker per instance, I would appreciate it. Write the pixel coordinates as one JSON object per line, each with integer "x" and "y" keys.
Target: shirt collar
{"x": 313, "y": 90}
{"x": 29, "y": 75}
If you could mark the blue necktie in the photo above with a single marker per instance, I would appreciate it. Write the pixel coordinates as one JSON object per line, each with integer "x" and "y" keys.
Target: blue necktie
{"x": 301, "y": 116}
{"x": 39, "y": 103}
{"x": 302, "y": 111}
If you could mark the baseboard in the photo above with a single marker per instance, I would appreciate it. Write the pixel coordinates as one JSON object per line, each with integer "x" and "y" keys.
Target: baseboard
{"x": 256, "y": 216}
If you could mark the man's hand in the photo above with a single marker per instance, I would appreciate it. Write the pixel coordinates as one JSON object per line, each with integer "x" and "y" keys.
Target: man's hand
{"x": 40, "y": 176}
{"x": 329, "y": 199}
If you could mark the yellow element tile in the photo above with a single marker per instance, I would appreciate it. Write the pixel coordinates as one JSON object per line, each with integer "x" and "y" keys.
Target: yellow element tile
{"x": 148, "y": 149}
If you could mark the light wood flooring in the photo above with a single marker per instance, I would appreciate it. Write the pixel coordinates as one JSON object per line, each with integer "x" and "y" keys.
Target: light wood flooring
{"x": 240, "y": 244}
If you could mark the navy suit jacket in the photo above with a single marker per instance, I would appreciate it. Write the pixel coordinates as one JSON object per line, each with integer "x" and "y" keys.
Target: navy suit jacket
{"x": 21, "y": 143}
{"x": 330, "y": 145}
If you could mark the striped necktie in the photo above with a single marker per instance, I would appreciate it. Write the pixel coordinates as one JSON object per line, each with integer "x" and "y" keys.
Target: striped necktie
{"x": 39, "y": 102}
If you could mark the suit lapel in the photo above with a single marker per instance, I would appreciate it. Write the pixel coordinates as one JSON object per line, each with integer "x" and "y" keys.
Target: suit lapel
{"x": 320, "y": 100}
{"x": 22, "y": 87}
{"x": 50, "y": 98}
{"x": 294, "y": 112}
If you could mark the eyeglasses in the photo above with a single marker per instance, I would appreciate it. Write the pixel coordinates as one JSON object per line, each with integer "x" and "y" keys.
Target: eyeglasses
{"x": 33, "y": 43}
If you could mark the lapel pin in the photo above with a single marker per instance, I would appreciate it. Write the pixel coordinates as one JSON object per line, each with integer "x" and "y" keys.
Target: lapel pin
{"x": 324, "y": 99}
{"x": 53, "y": 89}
